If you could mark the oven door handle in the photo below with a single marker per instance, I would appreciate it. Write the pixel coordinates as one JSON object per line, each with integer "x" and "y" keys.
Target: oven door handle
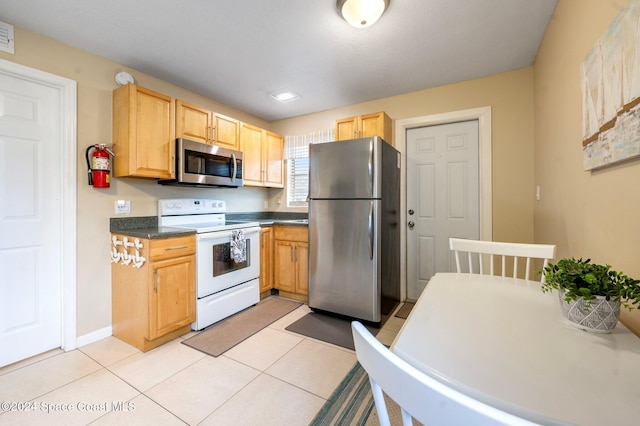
{"x": 225, "y": 234}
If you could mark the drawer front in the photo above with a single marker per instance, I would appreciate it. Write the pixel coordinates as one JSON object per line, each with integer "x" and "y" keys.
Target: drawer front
{"x": 291, "y": 233}
{"x": 167, "y": 248}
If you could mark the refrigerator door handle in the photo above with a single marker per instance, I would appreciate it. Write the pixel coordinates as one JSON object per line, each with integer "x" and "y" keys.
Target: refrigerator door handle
{"x": 371, "y": 231}
{"x": 371, "y": 167}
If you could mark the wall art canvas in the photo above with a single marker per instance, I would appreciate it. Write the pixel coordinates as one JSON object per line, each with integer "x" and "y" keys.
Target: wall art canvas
{"x": 611, "y": 93}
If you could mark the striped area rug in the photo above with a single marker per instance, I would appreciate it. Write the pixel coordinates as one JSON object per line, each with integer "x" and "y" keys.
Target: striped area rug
{"x": 350, "y": 404}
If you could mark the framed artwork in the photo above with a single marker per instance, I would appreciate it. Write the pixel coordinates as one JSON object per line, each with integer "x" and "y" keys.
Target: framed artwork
{"x": 611, "y": 93}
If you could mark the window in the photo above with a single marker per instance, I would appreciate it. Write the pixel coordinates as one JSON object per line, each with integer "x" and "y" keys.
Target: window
{"x": 298, "y": 182}
{"x": 297, "y": 171}
{"x": 297, "y": 156}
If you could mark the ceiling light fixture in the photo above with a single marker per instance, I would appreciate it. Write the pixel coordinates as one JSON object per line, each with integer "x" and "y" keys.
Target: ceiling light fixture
{"x": 284, "y": 96}
{"x": 362, "y": 13}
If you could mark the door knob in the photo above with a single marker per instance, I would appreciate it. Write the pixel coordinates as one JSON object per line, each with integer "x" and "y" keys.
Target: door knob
{"x": 411, "y": 224}
{"x": 411, "y": 212}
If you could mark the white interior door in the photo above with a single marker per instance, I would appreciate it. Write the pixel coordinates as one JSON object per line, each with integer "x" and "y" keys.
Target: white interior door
{"x": 442, "y": 197}
{"x": 30, "y": 218}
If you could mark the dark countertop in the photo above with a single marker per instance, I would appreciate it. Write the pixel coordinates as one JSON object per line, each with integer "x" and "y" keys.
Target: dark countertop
{"x": 272, "y": 222}
{"x": 145, "y": 227}
{"x": 273, "y": 218}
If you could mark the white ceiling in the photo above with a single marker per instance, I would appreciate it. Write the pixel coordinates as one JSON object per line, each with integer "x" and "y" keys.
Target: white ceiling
{"x": 237, "y": 51}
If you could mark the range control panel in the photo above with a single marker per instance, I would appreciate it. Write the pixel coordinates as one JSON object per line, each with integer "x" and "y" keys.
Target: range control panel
{"x": 185, "y": 206}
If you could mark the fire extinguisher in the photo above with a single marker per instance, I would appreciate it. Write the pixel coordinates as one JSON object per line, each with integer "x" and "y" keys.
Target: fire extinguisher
{"x": 99, "y": 166}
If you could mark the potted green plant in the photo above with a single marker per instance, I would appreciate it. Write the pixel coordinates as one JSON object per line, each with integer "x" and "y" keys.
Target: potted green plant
{"x": 591, "y": 294}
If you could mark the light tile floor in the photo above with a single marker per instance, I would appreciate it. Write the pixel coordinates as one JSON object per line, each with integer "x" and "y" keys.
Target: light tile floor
{"x": 275, "y": 377}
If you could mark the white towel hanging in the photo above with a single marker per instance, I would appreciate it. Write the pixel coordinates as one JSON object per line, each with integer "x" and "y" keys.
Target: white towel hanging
{"x": 238, "y": 246}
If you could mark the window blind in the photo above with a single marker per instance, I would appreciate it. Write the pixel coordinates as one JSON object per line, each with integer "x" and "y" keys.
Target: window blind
{"x": 297, "y": 156}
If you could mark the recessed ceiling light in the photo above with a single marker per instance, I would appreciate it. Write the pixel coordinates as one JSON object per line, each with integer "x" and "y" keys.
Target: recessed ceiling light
{"x": 284, "y": 96}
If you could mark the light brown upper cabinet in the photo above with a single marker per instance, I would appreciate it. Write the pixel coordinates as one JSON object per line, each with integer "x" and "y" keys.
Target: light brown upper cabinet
{"x": 274, "y": 159}
{"x": 200, "y": 125}
{"x": 364, "y": 126}
{"x": 143, "y": 133}
{"x": 263, "y": 157}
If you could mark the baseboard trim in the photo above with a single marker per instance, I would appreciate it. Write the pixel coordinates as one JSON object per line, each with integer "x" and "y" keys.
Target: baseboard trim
{"x": 94, "y": 336}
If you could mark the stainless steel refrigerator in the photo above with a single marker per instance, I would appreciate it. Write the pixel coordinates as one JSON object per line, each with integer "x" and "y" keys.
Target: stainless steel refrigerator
{"x": 354, "y": 228}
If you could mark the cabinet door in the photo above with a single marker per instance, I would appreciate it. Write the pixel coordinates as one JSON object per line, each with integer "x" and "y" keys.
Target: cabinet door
{"x": 377, "y": 124}
{"x": 226, "y": 131}
{"x": 302, "y": 268}
{"x": 172, "y": 295}
{"x": 284, "y": 266}
{"x": 266, "y": 259}
{"x": 251, "y": 146}
{"x": 274, "y": 160}
{"x": 143, "y": 133}
{"x": 372, "y": 125}
{"x": 192, "y": 122}
{"x": 346, "y": 128}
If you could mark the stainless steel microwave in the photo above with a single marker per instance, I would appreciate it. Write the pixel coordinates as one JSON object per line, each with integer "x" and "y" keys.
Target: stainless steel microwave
{"x": 200, "y": 164}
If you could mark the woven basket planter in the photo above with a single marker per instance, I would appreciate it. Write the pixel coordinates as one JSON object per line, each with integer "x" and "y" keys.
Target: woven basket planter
{"x": 598, "y": 315}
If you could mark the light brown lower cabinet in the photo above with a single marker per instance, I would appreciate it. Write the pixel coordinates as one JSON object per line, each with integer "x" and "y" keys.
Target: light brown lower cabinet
{"x": 291, "y": 261}
{"x": 155, "y": 302}
{"x": 266, "y": 261}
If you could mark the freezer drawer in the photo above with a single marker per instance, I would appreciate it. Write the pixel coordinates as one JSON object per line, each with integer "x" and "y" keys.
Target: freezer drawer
{"x": 344, "y": 245}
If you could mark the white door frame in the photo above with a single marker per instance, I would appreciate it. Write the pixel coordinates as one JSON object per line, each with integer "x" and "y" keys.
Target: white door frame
{"x": 68, "y": 148}
{"x": 483, "y": 115}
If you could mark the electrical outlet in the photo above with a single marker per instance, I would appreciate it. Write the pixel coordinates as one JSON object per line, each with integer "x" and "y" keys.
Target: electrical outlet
{"x": 265, "y": 204}
{"x": 123, "y": 206}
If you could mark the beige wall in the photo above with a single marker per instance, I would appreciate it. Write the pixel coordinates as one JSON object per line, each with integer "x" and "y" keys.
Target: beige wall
{"x": 510, "y": 96}
{"x": 587, "y": 214}
{"x": 95, "y": 78}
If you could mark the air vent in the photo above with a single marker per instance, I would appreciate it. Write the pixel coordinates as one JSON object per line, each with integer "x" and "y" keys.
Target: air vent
{"x": 6, "y": 38}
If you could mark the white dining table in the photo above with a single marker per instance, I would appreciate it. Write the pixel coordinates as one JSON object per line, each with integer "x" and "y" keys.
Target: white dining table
{"x": 504, "y": 342}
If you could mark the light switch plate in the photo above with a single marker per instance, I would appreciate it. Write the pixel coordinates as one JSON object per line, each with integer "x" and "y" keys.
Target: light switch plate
{"x": 123, "y": 206}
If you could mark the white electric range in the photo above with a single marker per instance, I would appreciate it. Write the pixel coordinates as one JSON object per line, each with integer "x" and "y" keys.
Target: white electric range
{"x": 223, "y": 287}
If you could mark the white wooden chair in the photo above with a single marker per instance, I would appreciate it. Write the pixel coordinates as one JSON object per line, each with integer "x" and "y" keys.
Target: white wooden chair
{"x": 479, "y": 251}
{"x": 420, "y": 396}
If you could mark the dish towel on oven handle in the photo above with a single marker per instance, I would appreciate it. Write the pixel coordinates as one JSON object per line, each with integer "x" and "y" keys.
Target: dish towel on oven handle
{"x": 238, "y": 246}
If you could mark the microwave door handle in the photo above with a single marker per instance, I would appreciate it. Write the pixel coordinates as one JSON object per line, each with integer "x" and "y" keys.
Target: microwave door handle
{"x": 235, "y": 167}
